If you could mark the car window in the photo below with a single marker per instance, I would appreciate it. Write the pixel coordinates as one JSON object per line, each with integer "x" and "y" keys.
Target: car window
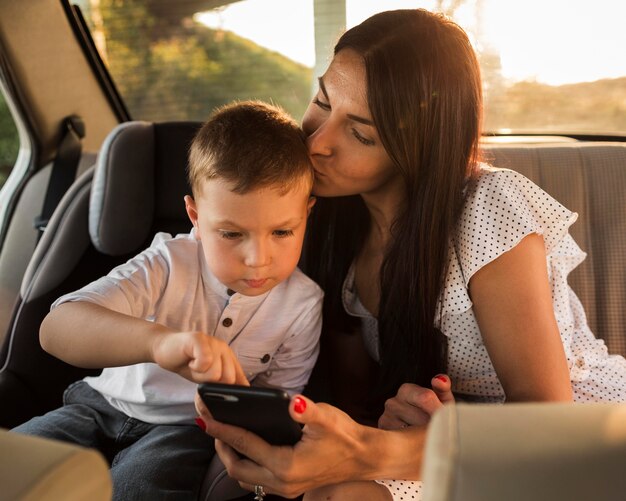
{"x": 9, "y": 141}
{"x": 170, "y": 62}
{"x": 548, "y": 67}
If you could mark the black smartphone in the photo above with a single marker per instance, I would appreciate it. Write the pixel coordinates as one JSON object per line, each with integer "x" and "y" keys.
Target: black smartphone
{"x": 263, "y": 411}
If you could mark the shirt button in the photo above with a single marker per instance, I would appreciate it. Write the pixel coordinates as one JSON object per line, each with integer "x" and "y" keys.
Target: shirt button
{"x": 266, "y": 358}
{"x": 227, "y": 322}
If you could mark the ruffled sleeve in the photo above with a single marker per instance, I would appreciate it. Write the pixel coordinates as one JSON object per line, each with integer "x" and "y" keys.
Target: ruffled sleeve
{"x": 501, "y": 208}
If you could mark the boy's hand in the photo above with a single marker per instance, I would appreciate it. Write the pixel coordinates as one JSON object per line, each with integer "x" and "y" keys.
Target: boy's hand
{"x": 198, "y": 357}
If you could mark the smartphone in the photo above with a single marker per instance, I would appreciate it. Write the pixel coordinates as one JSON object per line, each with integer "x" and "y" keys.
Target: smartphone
{"x": 263, "y": 411}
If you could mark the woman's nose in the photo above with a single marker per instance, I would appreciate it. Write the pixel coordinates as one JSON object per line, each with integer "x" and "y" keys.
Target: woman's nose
{"x": 319, "y": 140}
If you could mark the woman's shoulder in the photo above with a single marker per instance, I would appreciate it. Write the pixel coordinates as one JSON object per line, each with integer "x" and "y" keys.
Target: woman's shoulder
{"x": 489, "y": 180}
{"x": 504, "y": 194}
{"x": 502, "y": 207}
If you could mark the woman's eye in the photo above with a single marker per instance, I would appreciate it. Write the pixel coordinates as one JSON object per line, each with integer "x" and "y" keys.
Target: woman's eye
{"x": 364, "y": 140}
{"x": 230, "y": 235}
{"x": 321, "y": 104}
{"x": 283, "y": 233}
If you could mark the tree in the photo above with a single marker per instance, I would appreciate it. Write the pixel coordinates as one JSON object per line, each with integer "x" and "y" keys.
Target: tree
{"x": 169, "y": 68}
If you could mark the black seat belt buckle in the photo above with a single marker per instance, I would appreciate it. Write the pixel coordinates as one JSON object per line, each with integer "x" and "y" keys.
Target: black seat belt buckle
{"x": 40, "y": 223}
{"x": 76, "y": 124}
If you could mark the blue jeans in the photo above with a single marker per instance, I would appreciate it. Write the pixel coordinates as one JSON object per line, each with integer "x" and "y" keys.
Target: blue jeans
{"x": 148, "y": 461}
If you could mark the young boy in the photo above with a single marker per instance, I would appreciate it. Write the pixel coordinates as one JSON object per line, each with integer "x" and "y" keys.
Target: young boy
{"x": 222, "y": 303}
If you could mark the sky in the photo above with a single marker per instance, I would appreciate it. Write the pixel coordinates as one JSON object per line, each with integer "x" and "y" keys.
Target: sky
{"x": 549, "y": 41}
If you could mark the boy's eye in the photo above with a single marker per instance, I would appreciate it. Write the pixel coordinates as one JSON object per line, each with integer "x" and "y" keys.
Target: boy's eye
{"x": 282, "y": 233}
{"x": 321, "y": 104}
{"x": 230, "y": 235}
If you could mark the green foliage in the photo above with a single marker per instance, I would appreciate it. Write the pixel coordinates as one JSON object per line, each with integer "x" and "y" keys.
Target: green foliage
{"x": 174, "y": 69}
{"x": 9, "y": 141}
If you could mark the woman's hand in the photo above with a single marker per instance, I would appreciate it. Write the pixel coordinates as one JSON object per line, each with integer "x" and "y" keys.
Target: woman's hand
{"x": 414, "y": 405}
{"x": 198, "y": 357}
{"x": 332, "y": 449}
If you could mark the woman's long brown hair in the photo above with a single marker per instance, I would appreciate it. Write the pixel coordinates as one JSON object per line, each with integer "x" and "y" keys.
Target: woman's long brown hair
{"x": 424, "y": 94}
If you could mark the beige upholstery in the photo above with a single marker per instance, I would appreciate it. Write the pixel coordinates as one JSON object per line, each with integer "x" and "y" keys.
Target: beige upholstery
{"x": 521, "y": 452}
{"x": 37, "y": 469}
{"x": 588, "y": 178}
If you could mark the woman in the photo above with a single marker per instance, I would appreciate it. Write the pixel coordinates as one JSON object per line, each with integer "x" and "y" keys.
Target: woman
{"x": 438, "y": 262}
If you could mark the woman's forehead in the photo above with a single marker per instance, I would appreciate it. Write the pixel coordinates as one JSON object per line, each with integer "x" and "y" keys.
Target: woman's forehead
{"x": 345, "y": 78}
{"x": 347, "y": 65}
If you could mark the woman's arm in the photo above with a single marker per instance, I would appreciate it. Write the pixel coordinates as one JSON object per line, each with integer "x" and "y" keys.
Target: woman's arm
{"x": 333, "y": 449}
{"x": 513, "y": 307}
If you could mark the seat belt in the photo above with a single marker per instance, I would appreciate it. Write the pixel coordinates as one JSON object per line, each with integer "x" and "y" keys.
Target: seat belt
{"x": 63, "y": 169}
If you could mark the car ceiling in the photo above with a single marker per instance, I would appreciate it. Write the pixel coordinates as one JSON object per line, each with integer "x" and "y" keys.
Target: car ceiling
{"x": 37, "y": 44}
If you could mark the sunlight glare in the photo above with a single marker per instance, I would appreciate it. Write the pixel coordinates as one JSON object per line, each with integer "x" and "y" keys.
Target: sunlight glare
{"x": 284, "y": 26}
{"x": 553, "y": 42}
{"x": 557, "y": 42}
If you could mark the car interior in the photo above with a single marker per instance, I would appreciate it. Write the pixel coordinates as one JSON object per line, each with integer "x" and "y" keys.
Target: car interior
{"x": 84, "y": 164}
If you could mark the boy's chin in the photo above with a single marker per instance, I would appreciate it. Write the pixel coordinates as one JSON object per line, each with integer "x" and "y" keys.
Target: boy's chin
{"x": 252, "y": 290}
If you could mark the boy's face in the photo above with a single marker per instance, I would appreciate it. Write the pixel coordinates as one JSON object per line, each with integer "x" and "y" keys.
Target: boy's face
{"x": 253, "y": 241}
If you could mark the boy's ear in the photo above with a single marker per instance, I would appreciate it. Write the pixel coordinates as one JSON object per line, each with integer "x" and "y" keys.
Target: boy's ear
{"x": 310, "y": 204}
{"x": 192, "y": 211}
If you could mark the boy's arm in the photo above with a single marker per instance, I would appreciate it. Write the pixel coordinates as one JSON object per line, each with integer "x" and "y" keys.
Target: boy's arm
{"x": 89, "y": 335}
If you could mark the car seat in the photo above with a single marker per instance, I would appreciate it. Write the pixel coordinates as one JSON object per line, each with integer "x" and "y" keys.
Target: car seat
{"x": 588, "y": 178}
{"x": 108, "y": 215}
{"x": 520, "y": 451}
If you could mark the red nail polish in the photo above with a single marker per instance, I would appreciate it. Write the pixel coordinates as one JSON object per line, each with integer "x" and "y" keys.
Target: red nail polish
{"x": 201, "y": 424}
{"x": 443, "y": 379}
{"x": 299, "y": 405}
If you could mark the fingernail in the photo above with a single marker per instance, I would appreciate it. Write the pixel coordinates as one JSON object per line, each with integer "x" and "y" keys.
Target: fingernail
{"x": 443, "y": 379}
{"x": 299, "y": 405}
{"x": 201, "y": 424}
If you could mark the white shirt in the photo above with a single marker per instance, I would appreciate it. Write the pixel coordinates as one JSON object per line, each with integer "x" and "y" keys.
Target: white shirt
{"x": 501, "y": 208}
{"x": 274, "y": 335}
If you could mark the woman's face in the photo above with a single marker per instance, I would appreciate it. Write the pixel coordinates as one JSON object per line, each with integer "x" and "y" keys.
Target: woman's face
{"x": 347, "y": 154}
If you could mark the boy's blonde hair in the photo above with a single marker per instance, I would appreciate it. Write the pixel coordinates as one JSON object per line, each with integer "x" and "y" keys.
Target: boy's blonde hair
{"x": 253, "y": 145}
